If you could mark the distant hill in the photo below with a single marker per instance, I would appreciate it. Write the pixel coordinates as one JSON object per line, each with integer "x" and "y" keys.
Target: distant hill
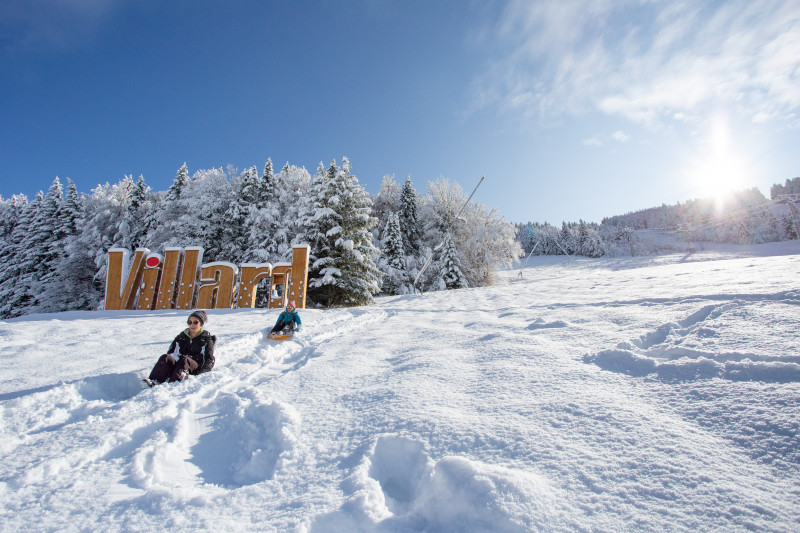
{"x": 742, "y": 217}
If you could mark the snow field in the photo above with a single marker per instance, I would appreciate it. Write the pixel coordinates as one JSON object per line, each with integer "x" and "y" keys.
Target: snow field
{"x": 643, "y": 394}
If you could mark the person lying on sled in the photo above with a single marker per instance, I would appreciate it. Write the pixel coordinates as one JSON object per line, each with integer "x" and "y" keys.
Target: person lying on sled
{"x": 288, "y": 320}
{"x": 192, "y": 352}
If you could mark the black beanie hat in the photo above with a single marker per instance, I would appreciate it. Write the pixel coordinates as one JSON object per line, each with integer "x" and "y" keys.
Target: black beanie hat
{"x": 200, "y": 315}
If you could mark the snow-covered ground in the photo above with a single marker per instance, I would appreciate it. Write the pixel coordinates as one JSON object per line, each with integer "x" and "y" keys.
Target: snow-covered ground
{"x": 629, "y": 394}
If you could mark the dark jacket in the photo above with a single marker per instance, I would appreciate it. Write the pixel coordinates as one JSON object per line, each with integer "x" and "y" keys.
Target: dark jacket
{"x": 201, "y": 349}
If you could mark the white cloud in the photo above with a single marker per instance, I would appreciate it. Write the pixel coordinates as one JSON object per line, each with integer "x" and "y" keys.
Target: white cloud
{"x": 592, "y": 141}
{"x": 620, "y": 136}
{"x": 650, "y": 62}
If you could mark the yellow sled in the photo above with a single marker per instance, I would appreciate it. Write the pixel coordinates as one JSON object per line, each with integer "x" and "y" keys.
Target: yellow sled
{"x": 280, "y": 336}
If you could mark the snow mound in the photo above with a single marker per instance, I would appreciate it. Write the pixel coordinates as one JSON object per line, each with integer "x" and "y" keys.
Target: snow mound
{"x": 397, "y": 487}
{"x": 716, "y": 341}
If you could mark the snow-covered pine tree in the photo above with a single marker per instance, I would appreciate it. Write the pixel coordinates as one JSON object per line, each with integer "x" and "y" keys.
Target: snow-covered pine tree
{"x": 54, "y": 293}
{"x": 261, "y": 226}
{"x": 337, "y": 226}
{"x": 409, "y": 221}
{"x": 164, "y": 221}
{"x": 178, "y": 184}
{"x": 40, "y": 255}
{"x": 139, "y": 213}
{"x": 10, "y": 210}
{"x": 20, "y": 217}
{"x": 204, "y": 205}
{"x": 122, "y": 238}
{"x": 262, "y": 220}
{"x": 317, "y": 219}
{"x": 450, "y": 275}
{"x": 10, "y": 213}
{"x": 235, "y": 234}
{"x": 17, "y": 287}
{"x": 266, "y": 186}
{"x": 85, "y": 265}
{"x": 292, "y": 189}
{"x": 566, "y": 239}
{"x": 392, "y": 260}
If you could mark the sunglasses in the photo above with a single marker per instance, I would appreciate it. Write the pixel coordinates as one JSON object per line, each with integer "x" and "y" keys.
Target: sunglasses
{"x": 190, "y": 322}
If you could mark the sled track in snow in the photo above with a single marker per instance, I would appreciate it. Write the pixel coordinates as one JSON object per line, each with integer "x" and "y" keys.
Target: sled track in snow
{"x": 172, "y": 436}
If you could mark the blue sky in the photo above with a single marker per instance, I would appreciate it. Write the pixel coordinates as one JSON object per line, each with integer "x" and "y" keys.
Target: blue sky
{"x": 571, "y": 109}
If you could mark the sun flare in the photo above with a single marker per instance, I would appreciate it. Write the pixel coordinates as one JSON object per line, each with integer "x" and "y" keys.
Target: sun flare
{"x": 720, "y": 167}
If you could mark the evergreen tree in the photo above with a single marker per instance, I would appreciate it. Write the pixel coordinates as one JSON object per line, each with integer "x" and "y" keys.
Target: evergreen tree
{"x": 139, "y": 213}
{"x": 122, "y": 237}
{"x": 204, "y": 205}
{"x": 292, "y": 189}
{"x": 409, "y": 222}
{"x": 54, "y": 291}
{"x": 337, "y": 226}
{"x": 450, "y": 274}
{"x": 392, "y": 262}
{"x": 14, "y": 287}
{"x": 85, "y": 263}
{"x": 178, "y": 184}
{"x": 164, "y": 221}
{"x": 236, "y": 234}
{"x": 263, "y": 221}
{"x": 565, "y": 239}
{"x": 266, "y": 187}
{"x": 40, "y": 250}
{"x": 16, "y": 222}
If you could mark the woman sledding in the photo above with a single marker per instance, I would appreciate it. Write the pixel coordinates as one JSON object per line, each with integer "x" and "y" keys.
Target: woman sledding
{"x": 192, "y": 352}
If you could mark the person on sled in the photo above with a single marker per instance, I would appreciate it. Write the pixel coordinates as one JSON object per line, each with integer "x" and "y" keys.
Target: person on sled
{"x": 192, "y": 352}
{"x": 288, "y": 320}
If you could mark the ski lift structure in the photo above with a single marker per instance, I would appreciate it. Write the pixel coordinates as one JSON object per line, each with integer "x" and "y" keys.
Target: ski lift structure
{"x": 532, "y": 234}
{"x": 439, "y": 246}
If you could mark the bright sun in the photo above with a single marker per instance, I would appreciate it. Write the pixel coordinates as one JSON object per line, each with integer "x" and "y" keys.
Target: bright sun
{"x": 719, "y": 167}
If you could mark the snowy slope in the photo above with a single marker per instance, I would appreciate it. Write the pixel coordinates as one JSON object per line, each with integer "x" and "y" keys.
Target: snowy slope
{"x": 650, "y": 394}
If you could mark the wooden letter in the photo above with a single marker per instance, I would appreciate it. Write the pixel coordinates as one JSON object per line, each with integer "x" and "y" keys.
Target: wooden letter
{"x": 216, "y": 286}
{"x": 251, "y": 274}
{"x": 119, "y": 296}
{"x": 169, "y": 277}
{"x": 192, "y": 257}
{"x": 299, "y": 275}
{"x": 150, "y": 281}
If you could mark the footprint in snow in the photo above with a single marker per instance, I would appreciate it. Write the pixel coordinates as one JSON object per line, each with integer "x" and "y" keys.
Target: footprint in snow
{"x": 398, "y": 486}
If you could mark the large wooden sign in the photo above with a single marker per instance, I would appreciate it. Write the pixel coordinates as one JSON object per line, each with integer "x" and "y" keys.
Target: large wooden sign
{"x": 177, "y": 280}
